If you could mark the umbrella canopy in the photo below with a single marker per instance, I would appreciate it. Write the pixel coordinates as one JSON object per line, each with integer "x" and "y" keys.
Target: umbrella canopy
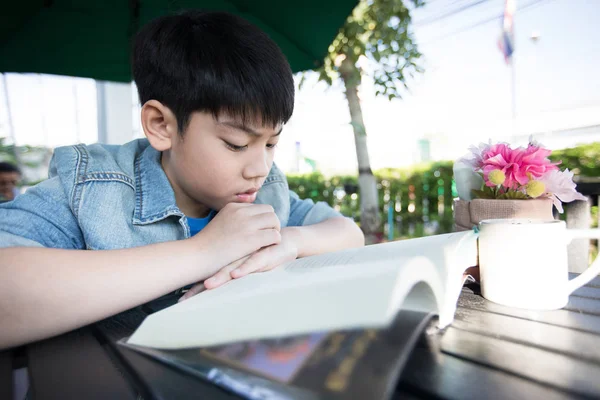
{"x": 92, "y": 38}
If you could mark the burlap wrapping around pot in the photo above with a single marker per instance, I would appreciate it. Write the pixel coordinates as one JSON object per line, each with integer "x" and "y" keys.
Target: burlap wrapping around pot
{"x": 469, "y": 213}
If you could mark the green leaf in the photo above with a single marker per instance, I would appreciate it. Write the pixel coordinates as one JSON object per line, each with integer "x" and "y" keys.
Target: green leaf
{"x": 513, "y": 196}
{"x": 485, "y": 193}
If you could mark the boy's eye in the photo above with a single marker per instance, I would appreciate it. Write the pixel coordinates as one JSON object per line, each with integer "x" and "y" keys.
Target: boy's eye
{"x": 234, "y": 147}
{"x": 271, "y": 145}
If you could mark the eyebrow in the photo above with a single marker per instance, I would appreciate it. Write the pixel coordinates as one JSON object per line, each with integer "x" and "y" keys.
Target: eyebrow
{"x": 246, "y": 129}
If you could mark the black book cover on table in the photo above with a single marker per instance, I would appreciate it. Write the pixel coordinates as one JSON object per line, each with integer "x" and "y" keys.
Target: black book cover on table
{"x": 346, "y": 364}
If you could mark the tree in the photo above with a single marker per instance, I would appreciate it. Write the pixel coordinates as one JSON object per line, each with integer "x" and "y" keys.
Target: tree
{"x": 8, "y": 152}
{"x": 377, "y": 30}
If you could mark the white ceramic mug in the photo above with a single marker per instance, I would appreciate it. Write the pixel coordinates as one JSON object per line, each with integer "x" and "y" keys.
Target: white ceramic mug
{"x": 523, "y": 262}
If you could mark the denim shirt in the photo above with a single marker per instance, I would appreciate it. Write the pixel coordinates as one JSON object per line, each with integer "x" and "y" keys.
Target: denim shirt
{"x": 111, "y": 197}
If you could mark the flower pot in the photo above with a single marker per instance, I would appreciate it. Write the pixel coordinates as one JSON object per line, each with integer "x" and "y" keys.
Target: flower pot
{"x": 469, "y": 213}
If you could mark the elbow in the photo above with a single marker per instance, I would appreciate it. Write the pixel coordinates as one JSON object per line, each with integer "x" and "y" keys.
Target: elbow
{"x": 355, "y": 235}
{"x": 360, "y": 236}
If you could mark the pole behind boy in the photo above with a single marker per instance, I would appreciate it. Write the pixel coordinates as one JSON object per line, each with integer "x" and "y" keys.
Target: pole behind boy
{"x": 198, "y": 200}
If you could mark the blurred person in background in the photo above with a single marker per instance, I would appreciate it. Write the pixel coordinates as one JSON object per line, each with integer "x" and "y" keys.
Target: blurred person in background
{"x": 9, "y": 178}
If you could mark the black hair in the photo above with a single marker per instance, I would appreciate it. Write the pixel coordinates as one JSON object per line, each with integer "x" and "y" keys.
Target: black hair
{"x": 214, "y": 62}
{"x": 8, "y": 167}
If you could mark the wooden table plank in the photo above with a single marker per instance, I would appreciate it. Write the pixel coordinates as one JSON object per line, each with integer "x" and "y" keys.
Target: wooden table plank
{"x": 583, "y": 345}
{"x": 594, "y": 282}
{"x": 443, "y": 376}
{"x": 6, "y": 376}
{"x": 583, "y": 305}
{"x": 568, "y": 374}
{"x": 588, "y": 291}
{"x": 565, "y": 318}
{"x": 75, "y": 366}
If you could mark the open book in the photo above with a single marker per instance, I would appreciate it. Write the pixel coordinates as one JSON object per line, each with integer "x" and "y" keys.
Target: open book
{"x": 334, "y": 326}
{"x": 354, "y": 288}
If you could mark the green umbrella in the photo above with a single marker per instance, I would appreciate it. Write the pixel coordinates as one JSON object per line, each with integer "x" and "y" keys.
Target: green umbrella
{"x": 92, "y": 38}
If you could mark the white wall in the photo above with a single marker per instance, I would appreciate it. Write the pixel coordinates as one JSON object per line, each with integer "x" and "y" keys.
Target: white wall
{"x": 115, "y": 125}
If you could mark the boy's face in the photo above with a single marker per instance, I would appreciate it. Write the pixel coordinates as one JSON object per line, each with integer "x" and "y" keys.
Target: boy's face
{"x": 8, "y": 183}
{"x": 219, "y": 161}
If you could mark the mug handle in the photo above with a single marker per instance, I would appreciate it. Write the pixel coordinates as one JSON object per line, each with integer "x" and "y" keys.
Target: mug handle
{"x": 593, "y": 270}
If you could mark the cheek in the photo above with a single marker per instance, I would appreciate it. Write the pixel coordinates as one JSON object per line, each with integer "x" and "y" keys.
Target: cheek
{"x": 211, "y": 171}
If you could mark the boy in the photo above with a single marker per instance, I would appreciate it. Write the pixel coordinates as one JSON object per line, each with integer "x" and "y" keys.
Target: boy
{"x": 198, "y": 200}
{"x": 9, "y": 177}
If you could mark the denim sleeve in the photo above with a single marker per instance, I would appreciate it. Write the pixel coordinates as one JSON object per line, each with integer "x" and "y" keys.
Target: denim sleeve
{"x": 40, "y": 217}
{"x": 306, "y": 212}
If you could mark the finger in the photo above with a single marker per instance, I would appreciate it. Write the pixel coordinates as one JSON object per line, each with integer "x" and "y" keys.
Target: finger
{"x": 197, "y": 288}
{"x": 223, "y": 275}
{"x": 268, "y": 267}
{"x": 256, "y": 209}
{"x": 252, "y": 264}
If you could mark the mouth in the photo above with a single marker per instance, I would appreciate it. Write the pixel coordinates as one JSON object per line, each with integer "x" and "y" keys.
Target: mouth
{"x": 248, "y": 196}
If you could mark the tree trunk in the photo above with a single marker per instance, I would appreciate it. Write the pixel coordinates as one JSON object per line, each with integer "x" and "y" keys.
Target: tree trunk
{"x": 369, "y": 201}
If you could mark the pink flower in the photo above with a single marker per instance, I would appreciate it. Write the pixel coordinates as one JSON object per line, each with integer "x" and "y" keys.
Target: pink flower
{"x": 532, "y": 160}
{"x": 560, "y": 187}
{"x": 498, "y": 156}
{"x": 501, "y": 149}
{"x": 525, "y": 169}
{"x": 518, "y": 164}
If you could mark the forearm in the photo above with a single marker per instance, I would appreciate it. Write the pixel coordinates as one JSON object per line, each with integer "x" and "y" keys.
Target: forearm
{"x": 44, "y": 292}
{"x": 330, "y": 235}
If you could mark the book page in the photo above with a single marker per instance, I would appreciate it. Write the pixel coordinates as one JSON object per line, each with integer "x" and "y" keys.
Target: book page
{"x": 274, "y": 304}
{"x": 353, "y": 288}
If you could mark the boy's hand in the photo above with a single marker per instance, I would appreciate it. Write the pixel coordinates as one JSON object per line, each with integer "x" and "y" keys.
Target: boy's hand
{"x": 199, "y": 287}
{"x": 264, "y": 259}
{"x": 240, "y": 229}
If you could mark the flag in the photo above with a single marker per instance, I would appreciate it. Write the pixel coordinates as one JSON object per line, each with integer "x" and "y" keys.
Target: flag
{"x": 506, "y": 40}
{"x": 311, "y": 163}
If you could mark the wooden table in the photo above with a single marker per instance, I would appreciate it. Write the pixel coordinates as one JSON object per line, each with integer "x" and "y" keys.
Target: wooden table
{"x": 490, "y": 352}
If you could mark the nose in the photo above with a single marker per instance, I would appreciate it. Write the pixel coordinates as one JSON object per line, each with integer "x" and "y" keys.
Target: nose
{"x": 258, "y": 165}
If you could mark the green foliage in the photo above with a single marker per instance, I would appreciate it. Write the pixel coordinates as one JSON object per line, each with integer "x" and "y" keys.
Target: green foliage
{"x": 421, "y": 196}
{"x": 378, "y": 30}
{"x": 7, "y": 152}
{"x": 485, "y": 193}
{"x": 23, "y": 156}
{"x": 582, "y": 160}
{"x": 488, "y": 192}
{"x": 513, "y": 195}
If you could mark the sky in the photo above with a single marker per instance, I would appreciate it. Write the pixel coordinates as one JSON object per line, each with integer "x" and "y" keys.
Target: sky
{"x": 463, "y": 97}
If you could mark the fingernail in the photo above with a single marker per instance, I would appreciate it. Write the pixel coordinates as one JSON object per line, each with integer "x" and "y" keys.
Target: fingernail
{"x": 236, "y": 273}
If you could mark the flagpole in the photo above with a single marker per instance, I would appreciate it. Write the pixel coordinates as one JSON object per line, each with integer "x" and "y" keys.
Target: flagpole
{"x": 513, "y": 85}
{"x": 507, "y": 45}
{"x": 513, "y": 77}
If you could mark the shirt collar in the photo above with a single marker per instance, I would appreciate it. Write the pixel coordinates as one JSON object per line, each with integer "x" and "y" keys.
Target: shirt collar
{"x": 155, "y": 199}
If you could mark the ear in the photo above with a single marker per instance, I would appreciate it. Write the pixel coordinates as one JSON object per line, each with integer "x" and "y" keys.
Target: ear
{"x": 159, "y": 124}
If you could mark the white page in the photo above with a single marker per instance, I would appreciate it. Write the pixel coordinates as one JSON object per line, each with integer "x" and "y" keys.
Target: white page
{"x": 352, "y": 288}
